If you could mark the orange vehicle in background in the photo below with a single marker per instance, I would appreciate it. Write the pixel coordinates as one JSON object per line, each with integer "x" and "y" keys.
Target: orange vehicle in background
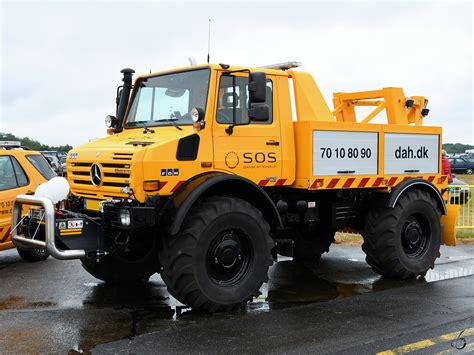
{"x": 21, "y": 172}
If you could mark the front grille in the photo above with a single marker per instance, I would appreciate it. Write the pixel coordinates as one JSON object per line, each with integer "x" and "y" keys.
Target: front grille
{"x": 122, "y": 156}
{"x": 116, "y": 174}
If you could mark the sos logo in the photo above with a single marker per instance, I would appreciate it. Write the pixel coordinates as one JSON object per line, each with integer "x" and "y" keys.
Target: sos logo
{"x": 259, "y": 157}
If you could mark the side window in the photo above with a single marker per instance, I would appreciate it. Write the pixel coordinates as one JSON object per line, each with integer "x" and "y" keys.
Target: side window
{"x": 228, "y": 94}
{"x": 40, "y": 164}
{"x": 7, "y": 174}
{"x": 21, "y": 178}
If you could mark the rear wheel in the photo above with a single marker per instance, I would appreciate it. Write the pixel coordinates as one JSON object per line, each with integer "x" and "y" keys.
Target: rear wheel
{"x": 33, "y": 255}
{"x": 403, "y": 242}
{"x": 134, "y": 262}
{"x": 221, "y": 256}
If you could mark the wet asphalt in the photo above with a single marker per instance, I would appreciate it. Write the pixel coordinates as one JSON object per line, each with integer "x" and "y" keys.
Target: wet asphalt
{"x": 338, "y": 305}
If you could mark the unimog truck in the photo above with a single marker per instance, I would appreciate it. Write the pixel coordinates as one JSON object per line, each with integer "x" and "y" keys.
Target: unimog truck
{"x": 210, "y": 171}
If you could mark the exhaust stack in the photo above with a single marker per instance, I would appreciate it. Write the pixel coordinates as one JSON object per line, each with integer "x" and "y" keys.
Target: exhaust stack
{"x": 124, "y": 97}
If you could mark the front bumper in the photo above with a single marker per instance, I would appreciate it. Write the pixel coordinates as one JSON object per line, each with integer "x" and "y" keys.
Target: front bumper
{"x": 76, "y": 235}
{"x": 49, "y": 228}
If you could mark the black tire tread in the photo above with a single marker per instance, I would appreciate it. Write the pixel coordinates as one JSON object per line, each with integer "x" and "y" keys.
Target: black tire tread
{"x": 31, "y": 255}
{"x": 177, "y": 252}
{"x": 379, "y": 236}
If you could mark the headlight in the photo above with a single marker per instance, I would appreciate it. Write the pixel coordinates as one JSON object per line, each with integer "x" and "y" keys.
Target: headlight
{"x": 110, "y": 121}
{"x": 124, "y": 217}
{"x": 197, "y": 114}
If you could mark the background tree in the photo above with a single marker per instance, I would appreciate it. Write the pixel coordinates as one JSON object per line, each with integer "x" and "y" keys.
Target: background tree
{"x": 33, "y": 144}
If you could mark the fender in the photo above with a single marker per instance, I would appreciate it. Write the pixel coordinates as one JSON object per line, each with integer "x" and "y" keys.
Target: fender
{"x": 418, "y": 184}
{"x": 223, "y": 184}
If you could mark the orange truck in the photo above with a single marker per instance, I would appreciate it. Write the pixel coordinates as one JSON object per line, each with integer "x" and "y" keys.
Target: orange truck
{"x": 21, "y": 172}
{"x": 210, "y": 171}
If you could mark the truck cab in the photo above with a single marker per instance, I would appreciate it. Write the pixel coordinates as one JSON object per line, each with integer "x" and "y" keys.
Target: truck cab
{"x": 208, "y": 172}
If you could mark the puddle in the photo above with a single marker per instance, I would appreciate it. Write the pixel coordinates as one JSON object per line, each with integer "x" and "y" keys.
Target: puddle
{"x": 21, "y": 303}
{"x": 90, "y": 312}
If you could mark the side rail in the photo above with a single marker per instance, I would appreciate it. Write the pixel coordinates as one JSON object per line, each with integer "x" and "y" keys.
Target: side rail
{"x": 462, "y": 195}
{"x": 49, "y": 227}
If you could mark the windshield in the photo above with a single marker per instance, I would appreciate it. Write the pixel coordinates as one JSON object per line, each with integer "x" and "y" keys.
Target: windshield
{"x": 168, "y": 99}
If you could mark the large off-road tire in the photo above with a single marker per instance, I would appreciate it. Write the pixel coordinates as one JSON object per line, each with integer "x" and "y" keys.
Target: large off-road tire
{"x": 311, "y": 244}
{"x": 403, "y": 242}
{"x": 33, "y": 255}
{"x": 221, "y": 256}
{"x": 127, "y": 265}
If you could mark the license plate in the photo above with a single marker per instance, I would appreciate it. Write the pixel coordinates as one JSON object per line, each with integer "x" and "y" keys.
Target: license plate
{"x": 71, "y": 227}
{"x": 92, "y": 205}
{"x": 75, "y": 224}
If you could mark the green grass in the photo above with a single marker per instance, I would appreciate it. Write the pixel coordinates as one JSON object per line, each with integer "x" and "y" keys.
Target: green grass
{"x": 468, "y": 179}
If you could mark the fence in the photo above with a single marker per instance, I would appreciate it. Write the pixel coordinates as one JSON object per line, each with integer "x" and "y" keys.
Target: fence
{"x": 463, "y": 195}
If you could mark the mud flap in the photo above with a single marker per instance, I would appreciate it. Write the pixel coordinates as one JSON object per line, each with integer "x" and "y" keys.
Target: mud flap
{"x": 449, "y": 224}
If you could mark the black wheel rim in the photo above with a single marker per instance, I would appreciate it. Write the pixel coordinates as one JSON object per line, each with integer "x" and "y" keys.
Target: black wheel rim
{"x": 416, "y": 235}
{"x": 40, "y": 251}
{"x": 229, "y": 257}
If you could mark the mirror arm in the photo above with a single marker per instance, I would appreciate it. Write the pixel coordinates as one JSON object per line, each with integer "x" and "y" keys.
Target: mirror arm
{"x": 117, "y": 99}
{"x": 229, "y": 130}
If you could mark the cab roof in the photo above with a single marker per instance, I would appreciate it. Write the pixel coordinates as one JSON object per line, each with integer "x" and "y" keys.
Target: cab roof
{"x": 223, "y": 67}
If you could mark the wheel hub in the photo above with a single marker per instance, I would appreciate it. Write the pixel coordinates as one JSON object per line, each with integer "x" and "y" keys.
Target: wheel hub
{"x": 229, "y": 257}
{"x": 227, "y": 253}
{"x": 413, "y": 233}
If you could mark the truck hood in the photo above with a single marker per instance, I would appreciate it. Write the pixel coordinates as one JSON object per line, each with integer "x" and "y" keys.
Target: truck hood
{"x": 120, "y": 160}
{"x": 135, "y": 140}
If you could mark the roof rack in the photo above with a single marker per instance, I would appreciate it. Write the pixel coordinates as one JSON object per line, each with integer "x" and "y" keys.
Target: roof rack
{"x": 10, "y": 144}
{"x": 7, "y": 145}
{"x": 282, "y": 66}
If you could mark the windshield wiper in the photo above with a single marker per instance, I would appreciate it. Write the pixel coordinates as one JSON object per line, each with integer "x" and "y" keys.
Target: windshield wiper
{"x": 172, "y": 120}
{"x": 138, "y": 124}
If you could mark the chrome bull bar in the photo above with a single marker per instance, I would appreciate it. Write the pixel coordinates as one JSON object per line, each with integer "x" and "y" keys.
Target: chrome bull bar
{"x": 49, "y": 227}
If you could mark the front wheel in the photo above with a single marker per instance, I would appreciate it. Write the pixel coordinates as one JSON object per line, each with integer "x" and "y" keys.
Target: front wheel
{"x": 134, "y": 262}
{"x": 221, "y": 256}
{"x": 403, "y": 242}
{"x": 469, "y": 171}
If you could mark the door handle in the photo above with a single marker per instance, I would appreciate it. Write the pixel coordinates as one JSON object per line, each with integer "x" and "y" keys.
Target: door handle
{"x": 272, "y": 142}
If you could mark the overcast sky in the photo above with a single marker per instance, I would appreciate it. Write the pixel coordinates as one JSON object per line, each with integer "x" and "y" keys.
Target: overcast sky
{"x": 60, "y": 61}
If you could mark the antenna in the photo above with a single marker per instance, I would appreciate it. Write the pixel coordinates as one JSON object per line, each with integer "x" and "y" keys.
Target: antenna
{"x": 208, "y": 41}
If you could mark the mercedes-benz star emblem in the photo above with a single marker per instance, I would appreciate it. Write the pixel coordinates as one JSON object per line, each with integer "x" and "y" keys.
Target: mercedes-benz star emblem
{"x": 96, "y": 174}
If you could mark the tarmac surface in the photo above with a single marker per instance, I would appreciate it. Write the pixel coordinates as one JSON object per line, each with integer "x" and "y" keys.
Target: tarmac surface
{"x": 338, "y": 306}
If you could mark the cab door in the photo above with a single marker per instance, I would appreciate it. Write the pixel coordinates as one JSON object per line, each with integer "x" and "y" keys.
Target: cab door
{"x": 13, "y": 181}
{"x": 252, "y": 150}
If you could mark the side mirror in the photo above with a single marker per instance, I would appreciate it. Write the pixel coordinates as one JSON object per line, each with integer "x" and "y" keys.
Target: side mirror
{"x": 257, "y": 87}
{"x": 259, "y": 112}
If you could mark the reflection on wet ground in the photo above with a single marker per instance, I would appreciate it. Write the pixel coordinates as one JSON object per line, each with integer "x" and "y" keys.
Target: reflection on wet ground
{"x": 81, "y": 312}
